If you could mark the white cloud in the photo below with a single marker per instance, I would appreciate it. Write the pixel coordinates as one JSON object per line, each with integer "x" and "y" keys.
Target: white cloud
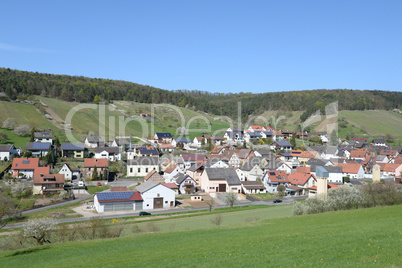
{"x": 9, "y": 47}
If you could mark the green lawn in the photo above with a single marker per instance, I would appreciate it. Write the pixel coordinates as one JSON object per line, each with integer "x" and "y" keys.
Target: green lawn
{"x": 97, "y": 189}
{"x": 353, "y": 238}
{"x": 15, "y": 139}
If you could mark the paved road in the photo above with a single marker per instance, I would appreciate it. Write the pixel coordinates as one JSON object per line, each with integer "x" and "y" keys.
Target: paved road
{"x": 286, "y": 200}
{"x": 57, "y": 205}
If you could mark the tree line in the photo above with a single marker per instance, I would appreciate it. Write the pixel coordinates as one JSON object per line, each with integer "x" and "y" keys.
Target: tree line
{"x": 15, "y": 83}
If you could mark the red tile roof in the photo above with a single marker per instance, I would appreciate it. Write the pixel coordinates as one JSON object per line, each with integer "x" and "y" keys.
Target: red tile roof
{"x": 297, "y": 178}
{"x": 277, "y": 176}
{"x": 170, "y": 168}
{"x": 303, "y": 169}
{"x": 111, "y": 196}
{"x": 25, "y": 163}
{"x": 330, "y": 185}
{"x": 358, "y": 153}
{"x": 42, "y": 170}
{"x": 349, "y": 167}
{"x": 99, "y": 163}
{"x": 171, "y": 185}
{"x": 48, "y": 178}
{"x": 308, "y": 154}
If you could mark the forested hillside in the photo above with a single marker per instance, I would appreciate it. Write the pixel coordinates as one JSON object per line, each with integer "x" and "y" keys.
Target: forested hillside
{"x": 83, "y": 89}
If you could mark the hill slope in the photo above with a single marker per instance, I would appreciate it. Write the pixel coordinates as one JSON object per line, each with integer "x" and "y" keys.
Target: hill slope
{"x": 83, "y": 89}
{"x": 342, "y": 238}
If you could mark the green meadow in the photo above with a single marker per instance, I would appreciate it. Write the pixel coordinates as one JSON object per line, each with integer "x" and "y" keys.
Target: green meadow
{"x": 355, "y": 238}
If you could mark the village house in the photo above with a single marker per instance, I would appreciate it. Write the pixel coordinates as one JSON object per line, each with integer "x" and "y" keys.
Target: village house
{"x": 154, "y": 176}
{"x": 282, "y": 145}
{"x": 215, "y": 180}
{"x": 303, "y": 180}
{"x": 253, "y": 187}
{"x": 141, "y": 166}
{"x": 351, "y": 170}
{"x": 48, "y": 183}
{"x": 123, "y": 144}
{"x": 191, "y": 159}
{"x": 46, "y": 137}
{"x": 163, "y": 137}
{"x": 110, "y": 153}
{"x": 180, "y": 142}
{"x": 197, "y": 141}
{"x": 166, "y": 148}
{"x": 234, "y": 134}
{"x": 170, "y": 172}
{"x": 156, "y": 195}
{"x": 251, "y": 171}
{"x": 250, "y": 137}
{"x": 38, "y": 149}
{"x": 24, "y": 167}
{"x": 273, "y": 178}
{"x": 7, "y": 152}
{"x": 379, "y": 142}
{"x": 195, "y": 172}
{"x": 90, "y": 164}
{"x": 277, "y": 165}
{"x": 218, "y": 150}
{"x": 94, "y": 141}
{"x": 142, "y": 151}
{"x": 74, "y": 150}
{"x": 216, "y": 162}
{"x": 215, "y": 139}
{"x": 186, "y": 184}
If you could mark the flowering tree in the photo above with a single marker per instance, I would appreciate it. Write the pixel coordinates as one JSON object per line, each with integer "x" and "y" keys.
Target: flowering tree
{"x": 39, "y": 229}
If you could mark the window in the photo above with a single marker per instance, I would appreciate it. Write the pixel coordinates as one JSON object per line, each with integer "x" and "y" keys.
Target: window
{"x": 158, "y": 195}
{"x": 147, "y": 205}
{"x": 166, "y": 202}
{"x": 139, "y": 170}
{"x": 131, "y": 170}
{"x": 146, "y": 170}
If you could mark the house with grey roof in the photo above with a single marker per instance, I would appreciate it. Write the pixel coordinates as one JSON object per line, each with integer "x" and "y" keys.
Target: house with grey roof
{"x": 140, "y": 166}
{"x": 74, "y": 150}
{"x": 38, "y": 149}
{"x": 215, "y": 180}
{"x": 186, "y": 184}
{"x": 46, "y": 136}
{"x": 234, "y": 134}
{"x": 111, "y": 153}
{"x": 156, "y": 195}
{"x": 7, "y": 151}
{"x": 251, "y": 170}
{"x": 94, "y": 141}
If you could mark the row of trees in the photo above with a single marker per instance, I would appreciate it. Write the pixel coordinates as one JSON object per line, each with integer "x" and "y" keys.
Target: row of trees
{"x": 82, "y": 89}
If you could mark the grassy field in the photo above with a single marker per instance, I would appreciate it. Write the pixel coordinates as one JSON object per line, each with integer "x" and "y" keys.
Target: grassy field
{"x": 376, "y": 123}
{"x": 24, "y": 114}
{"x": 18, "y": 141}
{"x": 343, "y": 238}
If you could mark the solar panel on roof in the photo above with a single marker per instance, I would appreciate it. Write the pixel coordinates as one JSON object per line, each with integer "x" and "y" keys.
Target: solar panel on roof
{"x": 25, "y": 161}
{"x": 271, "y": 173}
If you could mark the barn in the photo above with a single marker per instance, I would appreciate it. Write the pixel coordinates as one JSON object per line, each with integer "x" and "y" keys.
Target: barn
{"x": 118, "y": 201}
{"x": 156, "y": 195}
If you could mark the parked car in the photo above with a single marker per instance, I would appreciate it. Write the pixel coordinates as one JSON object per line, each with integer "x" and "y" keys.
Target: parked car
{"x": 99, "y": 183}
{"x": 278, "y": 201}
{"x": 144, "y": 213}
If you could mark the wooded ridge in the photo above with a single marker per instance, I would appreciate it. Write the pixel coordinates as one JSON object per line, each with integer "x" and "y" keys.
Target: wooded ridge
{"x": 83, "y": 89}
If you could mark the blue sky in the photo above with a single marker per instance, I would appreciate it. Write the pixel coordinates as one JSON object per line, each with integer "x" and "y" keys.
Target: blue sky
{"x": 216, "y": 46}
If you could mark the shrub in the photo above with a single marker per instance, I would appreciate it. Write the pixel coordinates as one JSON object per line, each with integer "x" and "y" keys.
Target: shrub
{"x": 217, "y": 220}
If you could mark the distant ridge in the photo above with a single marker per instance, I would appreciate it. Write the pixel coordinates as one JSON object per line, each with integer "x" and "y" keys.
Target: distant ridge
{"x": 83, "y": 89}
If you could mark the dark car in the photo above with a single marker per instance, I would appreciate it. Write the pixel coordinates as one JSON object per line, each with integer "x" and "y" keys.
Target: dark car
{"x": 278, "y": 201}
{"x": 144, "y": 213}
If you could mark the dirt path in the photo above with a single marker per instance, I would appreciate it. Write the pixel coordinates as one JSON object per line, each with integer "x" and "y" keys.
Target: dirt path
{"x": 54, "y": 115}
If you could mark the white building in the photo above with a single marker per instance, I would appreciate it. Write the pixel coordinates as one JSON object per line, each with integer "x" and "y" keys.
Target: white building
{"x": 7, "y": 151}
{"x": 118, "y": 201}
{"x": 156, "y": 195}
{"x": 141, "y": 166}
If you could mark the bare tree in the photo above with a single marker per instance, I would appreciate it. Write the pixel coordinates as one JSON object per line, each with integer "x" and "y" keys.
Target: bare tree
{"x": 217, "y": 220}
{"x": 281, "y": 190}
{"x": 39, "y": 229}
{"x": 210, "y": 204}
{"x": 230, "y": 199}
